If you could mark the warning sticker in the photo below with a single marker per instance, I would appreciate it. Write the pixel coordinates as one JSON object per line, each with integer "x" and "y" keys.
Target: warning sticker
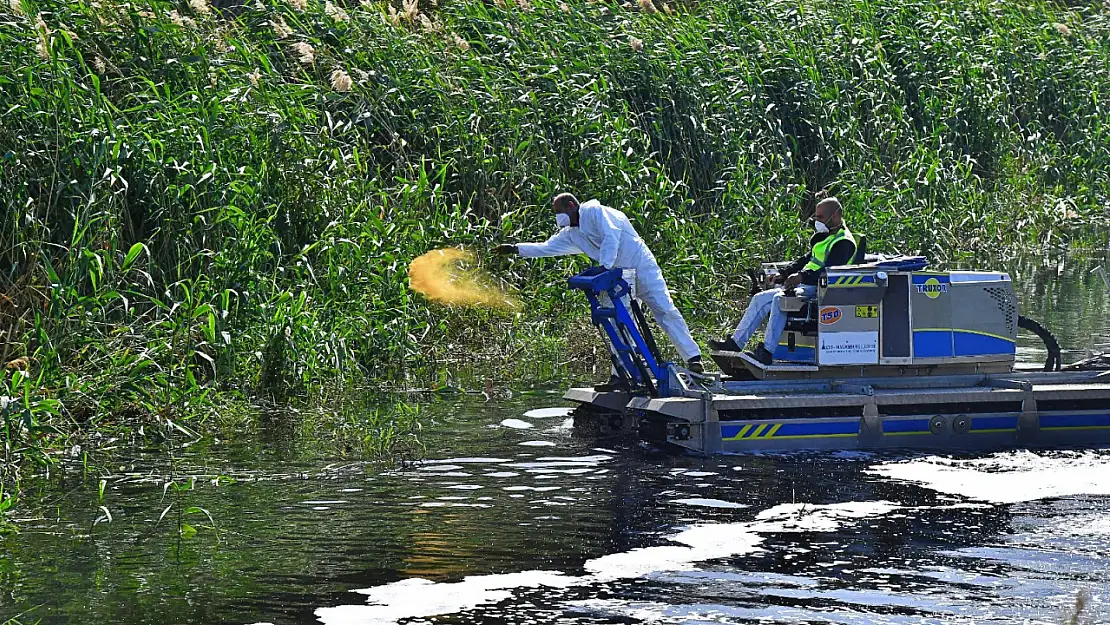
{"x": 867, "y": 312}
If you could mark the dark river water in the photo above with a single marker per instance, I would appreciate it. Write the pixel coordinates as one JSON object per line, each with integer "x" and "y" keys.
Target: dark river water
{"x": 513, "y": 518}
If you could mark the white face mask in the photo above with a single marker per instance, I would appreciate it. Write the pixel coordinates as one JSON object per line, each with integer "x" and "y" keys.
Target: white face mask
{"x": 820, "y": 226}
{"x": 562, "y": 220}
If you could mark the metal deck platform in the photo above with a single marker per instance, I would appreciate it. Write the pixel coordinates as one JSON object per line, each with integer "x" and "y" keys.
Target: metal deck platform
{"x": 1020, "y": 408}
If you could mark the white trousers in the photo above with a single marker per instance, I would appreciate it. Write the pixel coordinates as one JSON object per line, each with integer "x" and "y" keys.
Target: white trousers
{"x": 651, "y": 289}
{"x": 766, "y": 305}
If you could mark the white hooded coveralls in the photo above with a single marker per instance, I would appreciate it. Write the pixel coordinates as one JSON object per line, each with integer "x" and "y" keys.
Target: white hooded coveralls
{"x": 608, "y": 238}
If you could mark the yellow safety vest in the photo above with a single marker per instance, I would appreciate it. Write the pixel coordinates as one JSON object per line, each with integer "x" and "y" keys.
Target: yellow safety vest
{"x": 820, "y": 251}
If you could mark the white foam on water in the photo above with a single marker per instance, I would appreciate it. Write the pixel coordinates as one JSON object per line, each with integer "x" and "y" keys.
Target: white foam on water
{"x": 1094, "y": 525}
{"x": 516, "y": 424}
{"x": 699, "y": 473}
{"x": 567, "y": 424}
{"x": 1010, "y": 477}
{"x": 545, "y": 465}
{"x": 323, "y": 502}
{"x": 537, "y": 444}
{"x": 800, "y": 517}
{"x": 501, "y": 474}
{"x": 557, "y": 462}
{"x": 466, "y": 461}
{"x": 639, "y": 612}
{"x": 548, "y": 413}
{"x": 415, "y": 598}
{"x": 700, "y": 543}
{"x": 441, "y": 467}
{"x": 575, "y": 471}
{"x": 709, "y": 503}
{"x": 575, "y": 459}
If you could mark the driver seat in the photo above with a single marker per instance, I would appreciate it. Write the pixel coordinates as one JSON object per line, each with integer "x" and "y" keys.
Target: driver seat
{"x": 802, "y": 312}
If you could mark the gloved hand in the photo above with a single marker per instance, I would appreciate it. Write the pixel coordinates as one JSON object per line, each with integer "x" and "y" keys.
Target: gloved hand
{"x": 505, "y": 249}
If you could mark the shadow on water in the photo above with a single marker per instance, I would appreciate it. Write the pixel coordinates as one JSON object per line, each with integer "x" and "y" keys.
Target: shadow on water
{"x": 512, "y": 518}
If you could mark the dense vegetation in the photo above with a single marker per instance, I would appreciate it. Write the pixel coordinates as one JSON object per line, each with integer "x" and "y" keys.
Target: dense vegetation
{"x": 200, "y": 204}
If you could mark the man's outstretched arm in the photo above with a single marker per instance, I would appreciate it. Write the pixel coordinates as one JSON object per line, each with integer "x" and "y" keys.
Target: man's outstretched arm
{"x": 560, "y": 244}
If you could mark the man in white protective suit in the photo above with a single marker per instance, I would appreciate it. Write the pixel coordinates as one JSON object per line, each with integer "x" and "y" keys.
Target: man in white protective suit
{"x": 608, "y": 238}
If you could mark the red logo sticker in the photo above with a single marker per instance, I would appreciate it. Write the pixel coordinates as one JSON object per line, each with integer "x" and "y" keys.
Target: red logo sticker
{"x": 830, "y": 315}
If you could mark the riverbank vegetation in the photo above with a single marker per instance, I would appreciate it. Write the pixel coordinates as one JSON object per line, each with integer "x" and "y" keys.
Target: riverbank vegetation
{"x": 204, "y": 208}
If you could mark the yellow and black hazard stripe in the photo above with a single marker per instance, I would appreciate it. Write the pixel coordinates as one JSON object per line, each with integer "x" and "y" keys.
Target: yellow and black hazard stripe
{"x": 851, "y": 280}
{"x": 754, "y": 431}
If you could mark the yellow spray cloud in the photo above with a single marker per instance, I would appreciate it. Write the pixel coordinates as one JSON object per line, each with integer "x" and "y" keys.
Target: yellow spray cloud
{"x": 443, "y": 275}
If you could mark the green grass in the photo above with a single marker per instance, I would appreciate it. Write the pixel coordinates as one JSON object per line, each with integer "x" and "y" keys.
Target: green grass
{"x": 193, "y": 218}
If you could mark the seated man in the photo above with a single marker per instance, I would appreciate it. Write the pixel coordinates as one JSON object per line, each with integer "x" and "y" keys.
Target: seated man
{"x": 832, "y": 245}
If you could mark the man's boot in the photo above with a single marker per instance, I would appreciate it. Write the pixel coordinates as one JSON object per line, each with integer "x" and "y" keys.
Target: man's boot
{"x": 762, "y": 355}
{"x": 694, "y": 364}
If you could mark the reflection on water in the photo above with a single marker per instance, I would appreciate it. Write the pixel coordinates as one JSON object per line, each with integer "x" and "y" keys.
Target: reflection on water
{"x": 1070, "y": 298}
{"x": 514, "y": 519}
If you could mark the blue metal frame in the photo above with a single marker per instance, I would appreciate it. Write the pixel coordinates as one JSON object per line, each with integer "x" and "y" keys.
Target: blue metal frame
{"x": 633, "y": 356}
